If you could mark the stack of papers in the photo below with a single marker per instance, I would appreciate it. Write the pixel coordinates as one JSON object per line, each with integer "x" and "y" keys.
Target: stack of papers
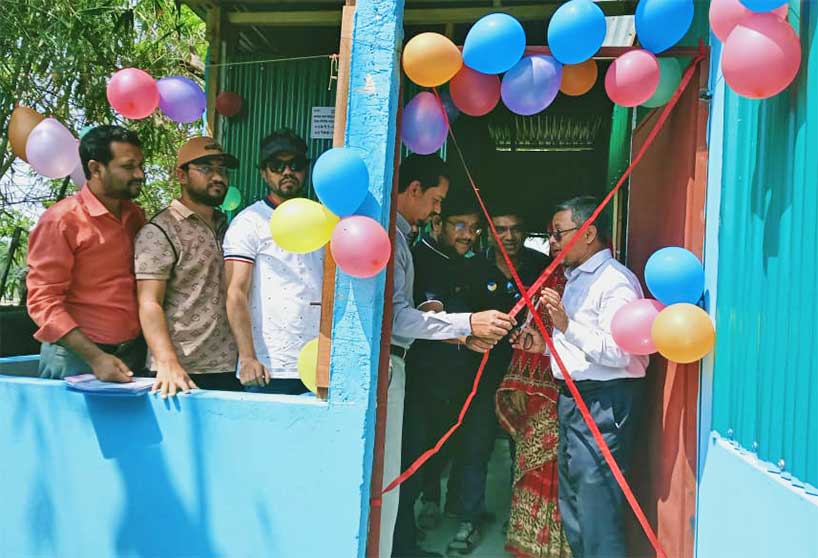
{"x": 88, "y": 383}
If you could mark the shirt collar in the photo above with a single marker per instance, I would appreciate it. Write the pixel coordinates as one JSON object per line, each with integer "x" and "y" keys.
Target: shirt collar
{"x": 403, "y": 225}
{"x": 271, "y": 203}
{"x": 91, "y": 202}
{"x": 181, "y": 212}
{"x": 591, "y": 264}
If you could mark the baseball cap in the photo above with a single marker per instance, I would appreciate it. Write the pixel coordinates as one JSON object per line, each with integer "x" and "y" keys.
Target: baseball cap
{"x": 281, "y": 141}
{"x": 203, "y": 148}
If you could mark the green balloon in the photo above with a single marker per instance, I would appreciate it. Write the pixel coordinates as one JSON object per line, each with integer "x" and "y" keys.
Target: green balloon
{"x": 85, "y": 130}
{"x": 670, "y": 75}
{"x": 232, "y": 200}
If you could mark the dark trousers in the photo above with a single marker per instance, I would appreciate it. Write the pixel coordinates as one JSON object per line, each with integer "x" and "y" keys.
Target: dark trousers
{"x": 280, "y": 386}
{"x": 220, "y": 381}
{"x": 591, "y": 503}
{"x": 57, "y": 362}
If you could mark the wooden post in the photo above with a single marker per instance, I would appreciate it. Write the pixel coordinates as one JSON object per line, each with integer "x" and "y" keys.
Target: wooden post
{"x": 214, "y": 39}
{"x": 328, "y": 287}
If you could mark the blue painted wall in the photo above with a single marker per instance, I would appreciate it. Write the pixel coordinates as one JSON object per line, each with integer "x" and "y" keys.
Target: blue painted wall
{"x": 217, "y": 475}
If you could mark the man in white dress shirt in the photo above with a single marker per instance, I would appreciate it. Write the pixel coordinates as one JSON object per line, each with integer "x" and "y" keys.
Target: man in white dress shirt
{"x": 609, "y": 379}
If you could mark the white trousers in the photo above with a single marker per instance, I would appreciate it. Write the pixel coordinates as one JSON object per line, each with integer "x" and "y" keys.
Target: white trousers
{"x": 391, "y": 452}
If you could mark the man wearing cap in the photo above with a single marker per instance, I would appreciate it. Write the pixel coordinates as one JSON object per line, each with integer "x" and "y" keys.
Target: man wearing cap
{"x": 273, "y": 296}
{"x": 181, "y": 280}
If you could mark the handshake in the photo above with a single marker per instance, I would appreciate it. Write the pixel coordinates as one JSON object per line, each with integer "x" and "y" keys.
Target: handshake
{"x": 487, "y": 328}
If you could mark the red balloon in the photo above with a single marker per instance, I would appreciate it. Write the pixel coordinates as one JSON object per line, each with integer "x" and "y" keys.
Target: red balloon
{"x": 474, "y": 93}
{"x": 228, "y": 103}
{"x": 632, "y": 78}
{"x": 360, "y": 246}
{"x": 761, "y": 56}
{"x": 726, "y": 14}
{"x": 133, "y": 93}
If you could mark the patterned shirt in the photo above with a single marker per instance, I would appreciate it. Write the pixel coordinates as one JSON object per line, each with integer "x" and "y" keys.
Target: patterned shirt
{"x": 177, "y": 246}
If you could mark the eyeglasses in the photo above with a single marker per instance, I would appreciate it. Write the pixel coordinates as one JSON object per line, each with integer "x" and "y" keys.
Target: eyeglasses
{"x": 513, "y": 230}
{"x": 462, "y": 227}
{"x": 211, "y": 169}
{"x": 296, "y": 164}
{"x": 557, "y": 234}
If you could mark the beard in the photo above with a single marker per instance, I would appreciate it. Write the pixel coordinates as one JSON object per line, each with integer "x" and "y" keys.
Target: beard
{"x": 205, "y": 198}
{"x": 291, "y": 188}
{"x": 127, "y": 191}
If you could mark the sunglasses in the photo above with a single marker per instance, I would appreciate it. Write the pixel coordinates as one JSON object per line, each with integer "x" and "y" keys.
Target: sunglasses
{"x": 557, "y": 234}
{"x": 296, "y": 164}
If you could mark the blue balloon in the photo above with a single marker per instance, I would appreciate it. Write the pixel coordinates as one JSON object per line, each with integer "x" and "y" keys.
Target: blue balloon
{"x": 576, "y": 31}
{"x": 660, "y": 24}
{"x": 494, "y": 44}
{"x": 341, "y": 180}
{"x": 531, "y": 85}
{"x": 763, "y": 5}
{"x": 675, "y": 275}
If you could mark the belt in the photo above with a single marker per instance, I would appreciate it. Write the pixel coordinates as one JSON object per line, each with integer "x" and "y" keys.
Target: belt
{"x": 398, "y": 351}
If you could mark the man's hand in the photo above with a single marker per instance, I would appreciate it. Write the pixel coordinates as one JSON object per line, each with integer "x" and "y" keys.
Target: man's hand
{"x": 528, "y": 340}
{"x": 170, "y": 377}
{"x": 553, "y": 303}
{"x": 478, "y": 344}
{"x": 109, "y": 368}
{"x": 491, "y": 324}
{"x": 253, "y": 373}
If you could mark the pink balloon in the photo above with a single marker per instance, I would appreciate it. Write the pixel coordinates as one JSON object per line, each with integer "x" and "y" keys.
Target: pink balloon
{"x": 726, "y": 14}
{"x": 474, "y": 93}
{"x": 52, "y": 150}
{"x": 761, "y": 56}
{"x": 78, "y": 174}
{"x": 632, "y": 324}
{"x": 360, "y": 246}
{"x": 133, "y": 93}
{"x": 423, "y": 125}
{"x": 632, "y": 78}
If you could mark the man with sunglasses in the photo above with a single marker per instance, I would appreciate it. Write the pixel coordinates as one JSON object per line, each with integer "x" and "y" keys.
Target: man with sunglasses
{"x": 273, "y": 296}
{"x": 609, "y": 379}
{"x": 180, "y": 277}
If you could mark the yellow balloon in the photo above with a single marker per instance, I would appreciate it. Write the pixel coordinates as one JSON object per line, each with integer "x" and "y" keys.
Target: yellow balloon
{"x": 431, "y": 59}
{"x": 300, "y": 225}
{"x": 683, "y": 333}
{"x": 308, "y": 365}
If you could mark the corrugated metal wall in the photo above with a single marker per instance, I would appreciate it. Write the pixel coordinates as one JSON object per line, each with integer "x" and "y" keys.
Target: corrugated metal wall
{"x": 276, "y": 94}
{"x": 766, "y": 360}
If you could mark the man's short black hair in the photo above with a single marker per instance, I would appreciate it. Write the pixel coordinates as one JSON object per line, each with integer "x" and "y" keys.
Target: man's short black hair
{"x": 582, "y": 207}
{"x": 282, "y": 140}
{"x": 426, "y": 169}
{"x": 96, "y": 144}
{"x": 459, "y": 202}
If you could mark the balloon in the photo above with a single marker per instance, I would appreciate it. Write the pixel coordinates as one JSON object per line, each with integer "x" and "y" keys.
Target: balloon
{"x": 85, "y": 130}
{"x": 494, "y": 44}
{"x": 308, "y": 365}
{"x": 228, "y": 103}
{"x": 431, "y": 59}
{"x": 631, "y": 326}
{"x": 360, "y": 246}
{"x": 531, "y": 85}
{"x": 683, "y": 333}
{"x": 474, "y": 93}
{"x": 675, "y": 275}
{"x": 78, "y": 174}
{"x": 23, "y": 120}
{"x": 133, "y": 93}
{"x": 578, "y": 79}
{"x": 761, "y": 56}
{"x": 660, "y": 24}
{"x": 181, "y": 99}
{"x": 300, "y": 225}
{"x": 576, "y": 31}
{"x": 726, "y": 14}
{"x": 423, "y": 125}
{"x": 632, "y": 78}
{"x": 52, "y": 150}
{"x": 232, "y": 200}
{"x": 763, "y": 5}
{"x": 341, "y": 180}
{"x": 670, "y": 75}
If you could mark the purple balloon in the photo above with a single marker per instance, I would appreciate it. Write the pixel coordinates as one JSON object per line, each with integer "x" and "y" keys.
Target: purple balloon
{"x": 531, "y": 85}
{"x": 423, "y": 127}
{"x": 181, "y": 99}
{"x": 52, "y": 150}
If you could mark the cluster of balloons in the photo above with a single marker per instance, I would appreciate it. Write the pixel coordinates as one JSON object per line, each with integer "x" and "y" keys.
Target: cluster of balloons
{"x": 672, "y": 324}
{"x": 45, "y": 144}
{"x": 135, "y": 94}
{"x": 359, "y": 244}
{"x": 496, "y": 45}
{"x": 761, "y": 52}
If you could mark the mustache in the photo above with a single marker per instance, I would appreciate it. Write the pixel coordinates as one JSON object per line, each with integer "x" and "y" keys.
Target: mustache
{"x": 219, "y": 182}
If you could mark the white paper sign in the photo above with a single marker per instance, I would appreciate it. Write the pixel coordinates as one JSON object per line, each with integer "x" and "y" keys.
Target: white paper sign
{"x": 323, "y": 122}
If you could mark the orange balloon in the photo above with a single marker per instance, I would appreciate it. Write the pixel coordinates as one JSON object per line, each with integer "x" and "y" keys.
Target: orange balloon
{"x": 683, "y": 333}
{"x": 430, "y": 59}
{"x": 23, "y": 120}
{"x": 578, "y": 79}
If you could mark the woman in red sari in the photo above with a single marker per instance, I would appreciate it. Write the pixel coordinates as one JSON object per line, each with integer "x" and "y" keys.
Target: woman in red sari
{"x": 527, "y": 409}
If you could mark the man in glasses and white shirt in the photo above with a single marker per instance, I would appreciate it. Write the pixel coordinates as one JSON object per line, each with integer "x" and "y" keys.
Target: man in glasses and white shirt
{"x": 273, "y": 296}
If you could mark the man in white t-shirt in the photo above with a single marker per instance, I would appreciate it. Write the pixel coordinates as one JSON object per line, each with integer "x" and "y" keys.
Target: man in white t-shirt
{"x": 273, "y": 296}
